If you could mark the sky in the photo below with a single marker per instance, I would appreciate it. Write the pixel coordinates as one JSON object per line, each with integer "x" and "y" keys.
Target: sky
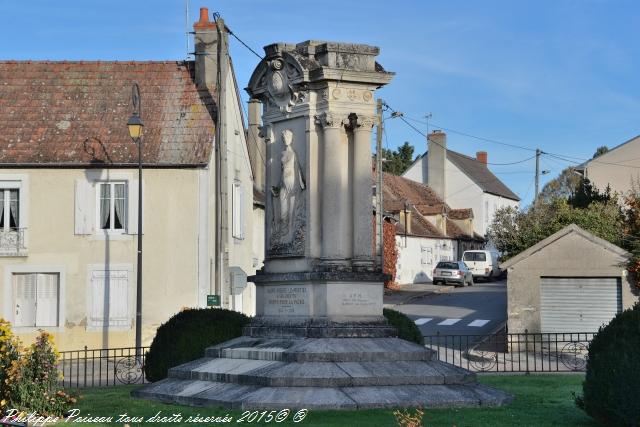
{"x": 558, "y": 75}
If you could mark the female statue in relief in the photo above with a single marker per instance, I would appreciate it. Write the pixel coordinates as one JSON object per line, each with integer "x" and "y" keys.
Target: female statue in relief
{"x": 291, "y": 185}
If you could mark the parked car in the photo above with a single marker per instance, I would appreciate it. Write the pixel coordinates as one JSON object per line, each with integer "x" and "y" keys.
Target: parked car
{"x": 483, "y": 264}
{"x": 455, "y": 272}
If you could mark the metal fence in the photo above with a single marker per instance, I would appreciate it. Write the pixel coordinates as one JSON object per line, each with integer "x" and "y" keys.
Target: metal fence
{"x": 503, "y": 352}
{"x": 102, "y": 367}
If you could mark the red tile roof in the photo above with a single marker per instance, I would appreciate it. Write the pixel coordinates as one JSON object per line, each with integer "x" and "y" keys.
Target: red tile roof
{"x": 461, "y": 213}
{"x": 75, "y": 113}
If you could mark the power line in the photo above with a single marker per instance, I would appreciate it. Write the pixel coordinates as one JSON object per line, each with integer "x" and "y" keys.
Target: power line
{"x": 395, "y": 114}
{"x": 243, "y": 43}
{"x": 494, "y": 141}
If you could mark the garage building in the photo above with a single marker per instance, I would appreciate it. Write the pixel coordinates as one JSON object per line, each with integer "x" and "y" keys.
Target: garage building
{"x": 572, "y": 281}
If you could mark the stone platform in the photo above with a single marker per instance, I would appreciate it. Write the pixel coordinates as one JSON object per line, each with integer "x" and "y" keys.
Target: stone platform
{"x": 320, "y": 373}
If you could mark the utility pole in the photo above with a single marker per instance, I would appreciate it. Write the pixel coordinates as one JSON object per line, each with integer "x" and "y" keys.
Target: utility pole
{"x": 379, "y": 224}
{"x": 538, "y": 152}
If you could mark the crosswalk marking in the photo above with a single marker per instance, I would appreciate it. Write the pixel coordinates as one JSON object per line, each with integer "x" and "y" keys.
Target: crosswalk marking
{"x": 478, "y": 323}
{"x": 449, "y": 322}
{"x": 423, "y": 320}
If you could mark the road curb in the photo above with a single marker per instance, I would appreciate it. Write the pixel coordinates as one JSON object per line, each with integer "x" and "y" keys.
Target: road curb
{"x": 441, "y": 290}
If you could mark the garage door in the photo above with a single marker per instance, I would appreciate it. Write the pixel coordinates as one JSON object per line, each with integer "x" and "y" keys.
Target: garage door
{"x": 577, "y": 304}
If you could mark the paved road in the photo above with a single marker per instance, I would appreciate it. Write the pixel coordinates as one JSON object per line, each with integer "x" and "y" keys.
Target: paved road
{"x": 477, "y": 309}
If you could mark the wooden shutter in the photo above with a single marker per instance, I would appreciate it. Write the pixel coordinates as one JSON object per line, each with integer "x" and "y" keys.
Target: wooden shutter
{"x": 109, "y": 298}
{"x": 237, "y": 202}
{"x": 47, "y": 292}
{"x": 85, "y": 203}
{"x": 132, "y": 206}
{"x": 24, "y": 289}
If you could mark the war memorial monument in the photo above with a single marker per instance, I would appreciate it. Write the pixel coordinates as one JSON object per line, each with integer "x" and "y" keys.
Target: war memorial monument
{"x": 319, "y": 339}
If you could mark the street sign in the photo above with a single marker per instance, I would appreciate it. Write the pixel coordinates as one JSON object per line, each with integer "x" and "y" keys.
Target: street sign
{"x": 213, "y": 300}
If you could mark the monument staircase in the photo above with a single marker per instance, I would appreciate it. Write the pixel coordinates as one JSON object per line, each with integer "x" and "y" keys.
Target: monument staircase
{"x": 321, "y": 373}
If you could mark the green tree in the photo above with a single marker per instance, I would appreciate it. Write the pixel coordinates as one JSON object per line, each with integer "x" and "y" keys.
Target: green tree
{"x": 600, "y": 151}
{"x": 512, "y": 231}
{"x": 398, "y": 161}
{"x": 567, "y": 183}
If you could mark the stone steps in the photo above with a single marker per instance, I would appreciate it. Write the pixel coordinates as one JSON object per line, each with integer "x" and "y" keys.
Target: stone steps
{"x": 321, "y": 350}
{"x": 245, "y": 397}
{"x": 321, "y": 374}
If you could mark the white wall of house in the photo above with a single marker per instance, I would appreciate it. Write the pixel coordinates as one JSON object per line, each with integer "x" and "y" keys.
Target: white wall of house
{"x": 417, "y": 171}
{"x": 240, "y": 203}
{"x": 463, "y": 193}
{"x": 601, "y": 172}
{"x": 418, "y": 256}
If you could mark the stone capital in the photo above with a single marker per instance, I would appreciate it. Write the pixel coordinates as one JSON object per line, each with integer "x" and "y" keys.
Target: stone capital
{"x": 331, "y": 120}
{"x": 360, "y": 122}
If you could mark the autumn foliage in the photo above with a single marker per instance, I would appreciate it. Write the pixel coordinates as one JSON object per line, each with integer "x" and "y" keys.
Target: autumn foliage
{"x": 390, "y": 254}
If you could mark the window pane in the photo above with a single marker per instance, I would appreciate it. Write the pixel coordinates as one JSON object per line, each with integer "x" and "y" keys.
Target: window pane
{"x": 481, "y": 256}
{"x": 120, "y": 213}
{"x": 105, "y": 206}
{"x": 14, "y": 214}
{"x": 2, "y": 221}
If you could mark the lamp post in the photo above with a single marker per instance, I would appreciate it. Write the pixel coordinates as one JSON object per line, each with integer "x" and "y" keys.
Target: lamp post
{"x": 135, "y": 126}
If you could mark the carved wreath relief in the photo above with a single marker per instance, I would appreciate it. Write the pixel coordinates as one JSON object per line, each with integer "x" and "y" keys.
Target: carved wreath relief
{"x": 288, "y": 204}
{"x": 281, "y": 89}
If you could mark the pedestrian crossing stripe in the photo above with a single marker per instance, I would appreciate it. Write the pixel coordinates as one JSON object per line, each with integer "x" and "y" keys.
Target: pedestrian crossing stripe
{"x": 449, "y": 322}
{"x": 478, "y": 323}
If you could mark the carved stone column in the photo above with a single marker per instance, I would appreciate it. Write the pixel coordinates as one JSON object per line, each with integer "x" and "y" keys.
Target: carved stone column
{"x": 336, "y": 203}
{"x": 362, "y": 199}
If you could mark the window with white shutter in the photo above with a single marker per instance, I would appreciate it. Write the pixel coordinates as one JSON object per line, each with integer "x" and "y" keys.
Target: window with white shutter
{"x": 109, "y": 305}
{"x": 237, "y": 202}
{"x": 36, "y": 299}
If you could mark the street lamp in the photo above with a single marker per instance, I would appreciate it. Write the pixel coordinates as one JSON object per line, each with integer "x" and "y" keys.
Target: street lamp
{"x": 135, "y": 126}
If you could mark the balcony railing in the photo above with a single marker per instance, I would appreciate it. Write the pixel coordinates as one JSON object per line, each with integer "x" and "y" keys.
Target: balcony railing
{"x": 12, "y": 242}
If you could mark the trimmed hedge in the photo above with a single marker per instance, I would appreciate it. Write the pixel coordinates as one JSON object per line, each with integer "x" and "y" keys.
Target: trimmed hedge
{"x": 186, "y": 335}
{"x": 612, "y": 384}
{"x": 407, "y": 329}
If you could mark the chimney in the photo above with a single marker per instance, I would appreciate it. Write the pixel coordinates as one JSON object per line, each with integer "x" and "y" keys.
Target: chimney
{"x": 436, "y": 162}
{"x": 482, "y": 157}
{"x": 257, "y": 148}
{"x": 206, "y": 40}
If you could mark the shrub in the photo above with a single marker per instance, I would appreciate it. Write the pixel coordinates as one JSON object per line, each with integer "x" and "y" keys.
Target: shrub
{"x": 612, "y": 384}
{"x": 407, "y": 329}
{"x": 30, "y": 376}
{"x": 186, "y": 335}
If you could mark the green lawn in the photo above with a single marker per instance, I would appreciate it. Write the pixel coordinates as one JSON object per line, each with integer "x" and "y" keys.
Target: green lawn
{"x": 541, "y": 400}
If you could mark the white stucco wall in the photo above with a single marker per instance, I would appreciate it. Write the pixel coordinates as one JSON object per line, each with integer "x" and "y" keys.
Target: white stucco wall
{"x": 417, "y": 257}
{"x": 463, "y": 193}
{"x": 617, "y": 168}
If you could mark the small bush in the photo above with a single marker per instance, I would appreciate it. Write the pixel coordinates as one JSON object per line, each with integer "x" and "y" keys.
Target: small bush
{"x": 612, "y": 384}
{"x": 186, "y": 335}
{"x": 407, "y": 329}
{"x": 30, "y": 376}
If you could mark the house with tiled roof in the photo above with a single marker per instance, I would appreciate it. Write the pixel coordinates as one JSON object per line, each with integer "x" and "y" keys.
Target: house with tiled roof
{"x": 69, "y": 194}
{"x": 462, "y": 181}
{"x": 427, "y": 229}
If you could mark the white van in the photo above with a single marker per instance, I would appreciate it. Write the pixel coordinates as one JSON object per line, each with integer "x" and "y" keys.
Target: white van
{"x": 483, "y": 264}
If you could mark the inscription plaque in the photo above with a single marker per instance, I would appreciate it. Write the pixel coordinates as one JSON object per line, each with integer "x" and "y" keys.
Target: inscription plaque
{"x": 286, "y": 301}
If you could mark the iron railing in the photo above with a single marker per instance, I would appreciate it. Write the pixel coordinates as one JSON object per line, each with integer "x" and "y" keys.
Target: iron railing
{"x": 518, "y": 352}
{"x": 102, "y": 367}
{"x": 12, "y": 242}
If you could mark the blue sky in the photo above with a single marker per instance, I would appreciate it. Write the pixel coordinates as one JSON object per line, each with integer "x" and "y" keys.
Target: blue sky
{"x": 560, "y": 75}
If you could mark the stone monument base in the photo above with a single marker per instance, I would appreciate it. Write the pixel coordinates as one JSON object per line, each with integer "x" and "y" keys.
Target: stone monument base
{"x": 320, "y": 373}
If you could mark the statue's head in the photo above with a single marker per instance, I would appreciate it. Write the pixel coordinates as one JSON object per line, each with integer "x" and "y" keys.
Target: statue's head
{"x": 287, "y": 137}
